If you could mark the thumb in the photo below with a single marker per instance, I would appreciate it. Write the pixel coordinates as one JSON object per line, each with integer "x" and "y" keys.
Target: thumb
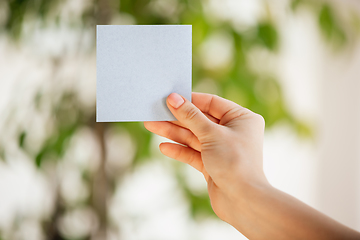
{"x": 189, "y": 115}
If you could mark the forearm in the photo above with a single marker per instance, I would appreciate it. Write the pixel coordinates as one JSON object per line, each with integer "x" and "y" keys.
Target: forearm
{"x": 228, "y": 152}
{"x": 268, "y": 213}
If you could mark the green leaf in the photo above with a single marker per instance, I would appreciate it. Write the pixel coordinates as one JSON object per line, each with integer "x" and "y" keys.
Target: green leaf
{"x": 19, "y": 9}
{"x": 55, "y": 145}
{"x": 268, "y": 36}
{"x": 2, "y": 154}
{"x": 329, "y": 26}
{"x": 22, "y": 137}
{"x": 39, "y": 157}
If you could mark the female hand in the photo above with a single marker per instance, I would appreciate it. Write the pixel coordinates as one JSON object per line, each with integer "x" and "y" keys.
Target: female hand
{"x": 222, "y": 140}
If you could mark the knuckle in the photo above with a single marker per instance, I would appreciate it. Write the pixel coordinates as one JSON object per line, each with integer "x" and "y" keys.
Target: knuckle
{"x": 189, "y": 140}
{"x": 191, "y": 159}
{"x": 208, "y": 132}
{"x": 179, "y": 154}
{"x": 191, "y": 113}
{"x": 168, "y": 131}
{"x": 260, "y": 119}
{"x": 233, "y": 113}
{"x": 211, "y": 138}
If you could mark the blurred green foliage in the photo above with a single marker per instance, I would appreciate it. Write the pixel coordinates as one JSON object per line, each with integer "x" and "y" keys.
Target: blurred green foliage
{"x": 330, "y": 28}
{"x": 236, "y": 81}
{"x": 20, "y": 9}
{"x": 68, "y": 117}
{"x": 268, "y": 36}
{"x": 330, "y": 24}
{"x": 140, "y": 136}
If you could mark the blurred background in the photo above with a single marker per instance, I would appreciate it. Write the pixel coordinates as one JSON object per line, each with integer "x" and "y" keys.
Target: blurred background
{"x": 64, "y": 176}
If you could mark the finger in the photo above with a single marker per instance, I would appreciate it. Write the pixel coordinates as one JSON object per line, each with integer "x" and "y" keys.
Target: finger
{"x": 185, "y": 155}
{"x": 178, "y": 123}
{"x": 175, "y": 133}
{"x": 190, "y": 116}
{"x": 216, "y": 106}
{"x": 211, "y": 118}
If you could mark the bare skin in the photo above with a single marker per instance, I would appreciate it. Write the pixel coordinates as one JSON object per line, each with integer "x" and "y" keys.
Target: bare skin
{"x": 224, "y": 142}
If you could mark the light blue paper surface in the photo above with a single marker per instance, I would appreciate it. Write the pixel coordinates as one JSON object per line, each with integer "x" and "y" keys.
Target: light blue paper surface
{"x": 138, "y": 66}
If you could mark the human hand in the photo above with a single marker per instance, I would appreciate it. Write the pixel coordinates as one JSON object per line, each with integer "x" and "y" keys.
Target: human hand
{"x": 223, "y": 141}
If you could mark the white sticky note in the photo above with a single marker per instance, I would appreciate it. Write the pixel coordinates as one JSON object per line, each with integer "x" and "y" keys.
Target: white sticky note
{"x": 138, "y": 66}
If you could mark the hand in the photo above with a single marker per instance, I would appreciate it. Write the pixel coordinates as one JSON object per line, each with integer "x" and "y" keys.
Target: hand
{"x": 223, "y": 141}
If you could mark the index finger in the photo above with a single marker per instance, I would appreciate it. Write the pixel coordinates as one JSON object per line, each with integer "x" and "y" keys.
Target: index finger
{"x": 213, "y": 119}
{"x": 214, "y": 105}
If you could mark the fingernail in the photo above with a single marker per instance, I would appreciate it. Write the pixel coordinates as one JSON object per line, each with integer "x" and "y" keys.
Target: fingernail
{"x": 175, "y": 100}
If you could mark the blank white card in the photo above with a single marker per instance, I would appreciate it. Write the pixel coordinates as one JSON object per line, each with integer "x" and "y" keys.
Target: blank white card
{"x": 138, "y": 66}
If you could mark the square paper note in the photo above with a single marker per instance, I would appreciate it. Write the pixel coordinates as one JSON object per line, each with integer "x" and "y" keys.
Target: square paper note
{"x": 138, "y": 66}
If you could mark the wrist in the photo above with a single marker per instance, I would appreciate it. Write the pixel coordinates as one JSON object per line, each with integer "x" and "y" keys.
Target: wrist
{"x": 251, "y": 184}
{"x": 247, "y": 204}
